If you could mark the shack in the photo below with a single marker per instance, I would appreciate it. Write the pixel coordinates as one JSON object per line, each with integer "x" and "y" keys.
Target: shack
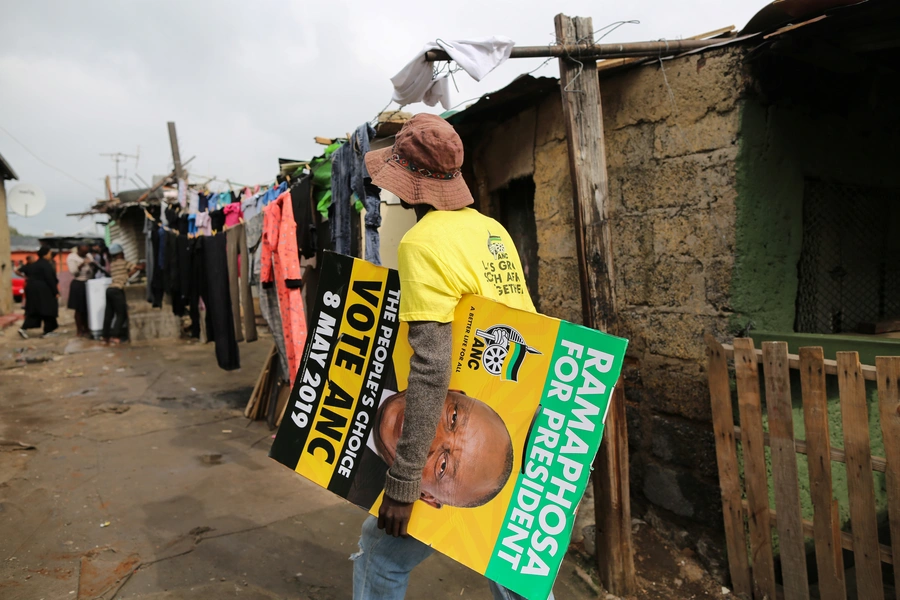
{"x": 752, "y": 189}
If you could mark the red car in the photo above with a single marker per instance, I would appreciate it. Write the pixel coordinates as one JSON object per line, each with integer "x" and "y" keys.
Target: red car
{"x": 18, "y": 288}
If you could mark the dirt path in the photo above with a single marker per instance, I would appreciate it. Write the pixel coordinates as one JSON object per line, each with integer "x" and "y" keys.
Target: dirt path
{"x": 143, "y": 480}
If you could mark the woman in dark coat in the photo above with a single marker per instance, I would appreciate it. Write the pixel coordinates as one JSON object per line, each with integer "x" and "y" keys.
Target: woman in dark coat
{"x": 41, "y": 293}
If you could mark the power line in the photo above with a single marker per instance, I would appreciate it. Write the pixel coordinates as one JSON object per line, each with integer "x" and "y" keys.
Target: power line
{"x": 45, "y": 163}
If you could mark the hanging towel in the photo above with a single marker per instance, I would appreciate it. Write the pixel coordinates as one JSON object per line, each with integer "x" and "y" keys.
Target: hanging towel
{"x": 416, "y": 81}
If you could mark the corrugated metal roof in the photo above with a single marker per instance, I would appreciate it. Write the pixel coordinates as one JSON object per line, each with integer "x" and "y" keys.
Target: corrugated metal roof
{"x": 6, "y": 171}
{"x": 523, "y": 92}
{"x": 784, "y": 12}
{"x": 24, "y": 243}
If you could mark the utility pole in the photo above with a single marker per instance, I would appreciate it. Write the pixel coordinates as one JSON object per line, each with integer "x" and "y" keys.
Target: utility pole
{"x": 119, "y": 157}
{"x": 580, "y": 88}
{"x": 176, "y": 154}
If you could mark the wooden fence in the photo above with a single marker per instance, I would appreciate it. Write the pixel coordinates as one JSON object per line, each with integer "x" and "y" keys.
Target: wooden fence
{"x": 745, "y": 501}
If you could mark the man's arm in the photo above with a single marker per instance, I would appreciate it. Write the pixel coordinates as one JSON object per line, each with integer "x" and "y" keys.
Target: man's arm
{"x": 429, "y": 379}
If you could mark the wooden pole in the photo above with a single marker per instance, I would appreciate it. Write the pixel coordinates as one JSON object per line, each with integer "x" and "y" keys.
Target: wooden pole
{"x": 582, "y": 111}
{"x": 6, "y": 264}
{"x": 156, "y": 186}
{"x": 592, "y": 51}
{"x": 176, "y": 154}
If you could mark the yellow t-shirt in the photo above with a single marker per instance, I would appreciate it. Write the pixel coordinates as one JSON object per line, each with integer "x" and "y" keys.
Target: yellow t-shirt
{"x": 451, "y": 253}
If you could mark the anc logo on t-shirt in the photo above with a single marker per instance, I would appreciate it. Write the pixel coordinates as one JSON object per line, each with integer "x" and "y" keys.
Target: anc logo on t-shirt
{"x": 496, "y": 246}
{"x": 504, "y": 351}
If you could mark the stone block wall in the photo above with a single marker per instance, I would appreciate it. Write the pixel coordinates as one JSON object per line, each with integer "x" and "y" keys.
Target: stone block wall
{"x": 672, "y": 133}
{"x": 672, "y": 141}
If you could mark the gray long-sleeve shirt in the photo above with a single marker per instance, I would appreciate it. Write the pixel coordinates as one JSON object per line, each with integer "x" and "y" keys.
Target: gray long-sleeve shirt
{"x": 429, "y": 380}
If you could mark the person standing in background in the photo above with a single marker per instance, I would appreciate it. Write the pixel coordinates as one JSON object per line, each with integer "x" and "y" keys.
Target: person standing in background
{"x": 100, "y": 254}
{"x": 80, "y": 265}
{"x": 115, "y": 319}
{"x": 41, "y": 295}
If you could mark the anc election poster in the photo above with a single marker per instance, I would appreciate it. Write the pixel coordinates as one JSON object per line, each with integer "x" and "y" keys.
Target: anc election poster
{"x": 518, "y": 432}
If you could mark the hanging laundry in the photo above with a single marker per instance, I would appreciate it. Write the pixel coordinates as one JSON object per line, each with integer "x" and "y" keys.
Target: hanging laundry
{"x": 366, "y": 192}
{"x": 320, "y": 168}
{"x": 203, "y": 223}
{"x": 350, "y": 184}
{"x": 340, "y": 212}
{"x": 218, "y": 302}
{"x": 193, "y": 201}
{"x": 149, "y": 261}
{"x": 233, "y": 214}
{"x": 239, "y": 280}
{"x": 182, "y": 193}
{"x": 280, "y": 266}
{"x": 304, "y": 215}
{"x": 416, "y": 81}
{"x": 268, "y": 295}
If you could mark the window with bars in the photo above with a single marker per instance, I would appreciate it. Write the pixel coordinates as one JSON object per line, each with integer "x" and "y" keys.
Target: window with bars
{"x": 849, "y": 270}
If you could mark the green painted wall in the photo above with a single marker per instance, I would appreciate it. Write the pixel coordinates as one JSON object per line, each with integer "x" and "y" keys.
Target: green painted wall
{"x": 768, "y": 221}
{"x": 781, "y": 145}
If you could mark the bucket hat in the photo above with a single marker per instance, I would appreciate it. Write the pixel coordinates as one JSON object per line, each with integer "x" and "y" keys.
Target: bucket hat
{"x": 423, "y": 165}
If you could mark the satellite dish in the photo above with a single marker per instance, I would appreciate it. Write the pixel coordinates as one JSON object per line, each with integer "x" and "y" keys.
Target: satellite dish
{"x": 26, "y": 200}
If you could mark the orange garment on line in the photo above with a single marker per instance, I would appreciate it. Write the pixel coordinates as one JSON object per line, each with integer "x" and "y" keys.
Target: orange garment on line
{"x": 280, "y": 264}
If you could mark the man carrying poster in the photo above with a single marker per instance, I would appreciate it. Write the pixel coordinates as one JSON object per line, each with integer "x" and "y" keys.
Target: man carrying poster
{"x": 424, "y": 435}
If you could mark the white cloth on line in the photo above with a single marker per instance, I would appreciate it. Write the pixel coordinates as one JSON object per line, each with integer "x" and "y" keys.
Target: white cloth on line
{"x": 416, "y": 81}
{"x": 182, "y": 193}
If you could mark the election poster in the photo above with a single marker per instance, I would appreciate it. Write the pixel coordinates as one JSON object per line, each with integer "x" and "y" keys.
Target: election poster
{"x": 518, "y": 432}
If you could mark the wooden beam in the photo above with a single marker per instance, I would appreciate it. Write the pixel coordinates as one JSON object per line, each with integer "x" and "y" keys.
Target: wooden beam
{"x": 591, "y": 51}
{"x": 612, "y": 63}
{"x": 860, "y": 482}
{"x": 730, "y": 481}
{"x": 827, "y": 519}
{"x": 746, "y": 372}
{"x": 837, "y": 455}
{"x": 831, "y": 368}
{"x": 784, "y": 471}
{"x": 889, "y": 402}
{"x": 158, "y": 185}
{"x": 580, "y": 88}
{"x": 884, "y": 552}
{"x": 176, "y": 153}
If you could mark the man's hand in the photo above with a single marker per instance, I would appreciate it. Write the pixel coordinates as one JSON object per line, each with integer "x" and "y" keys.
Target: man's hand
{"x": 393, "y": 516}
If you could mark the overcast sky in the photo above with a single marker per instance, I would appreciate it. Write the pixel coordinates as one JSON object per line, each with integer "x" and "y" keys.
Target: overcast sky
{"x": 246, "y": 82}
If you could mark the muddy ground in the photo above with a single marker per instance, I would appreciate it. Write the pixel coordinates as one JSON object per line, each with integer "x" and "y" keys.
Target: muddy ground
{"x": 131, "y": 472}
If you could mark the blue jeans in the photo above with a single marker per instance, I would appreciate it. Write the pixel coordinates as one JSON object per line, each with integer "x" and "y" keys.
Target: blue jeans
{"x": 381, "y": 568}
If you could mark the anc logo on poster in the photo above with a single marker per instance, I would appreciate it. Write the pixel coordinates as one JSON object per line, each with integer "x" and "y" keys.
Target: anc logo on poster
{"x": 505, "y": 351}
{"x": 519, "y": 428}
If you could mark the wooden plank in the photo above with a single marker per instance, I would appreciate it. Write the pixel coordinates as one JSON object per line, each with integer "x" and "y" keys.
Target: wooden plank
{"x": 889, "y": 403}
{"x": 729, "y": 475}
{"x": 756, "y": 482}
{"x": 612, "y": 63}
{"x": 582, "y": 114}
{"x": 831, "y": 367}
{"x": 888, "y": 326}
{"x": 863, "y": 523}
{"x": 837, "y": 455}
{"x": 829, "y": 558}
{"x": 784, "y": 471}
{"x": 283, "y": 402}
{"x": 845, "y": 537}
{"x": 176, "y": 154}
{"x": 614, "y": 500}
{"x": 254, "y": 395}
